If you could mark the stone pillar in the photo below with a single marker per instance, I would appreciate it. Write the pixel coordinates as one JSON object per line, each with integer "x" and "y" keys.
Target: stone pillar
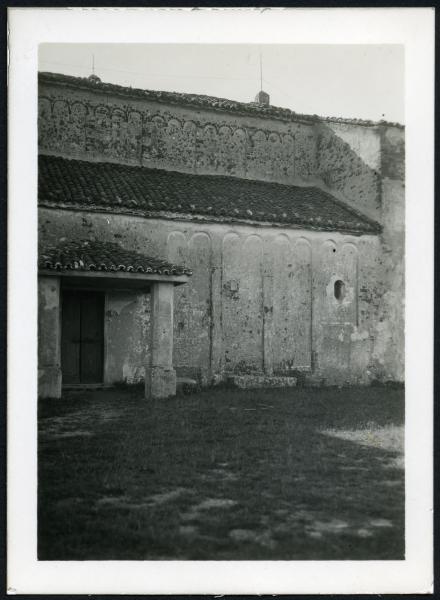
{"x": 49, "y": 338}
{"x": 160, "y": 377}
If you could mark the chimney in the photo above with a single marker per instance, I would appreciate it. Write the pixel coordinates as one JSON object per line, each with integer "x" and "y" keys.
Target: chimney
{"x": 262, "y": 98}
{"x": 94, "y": 78}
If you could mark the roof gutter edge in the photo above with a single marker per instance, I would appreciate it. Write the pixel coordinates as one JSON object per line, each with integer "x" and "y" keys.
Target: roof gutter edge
{"x": 376, "y": 228}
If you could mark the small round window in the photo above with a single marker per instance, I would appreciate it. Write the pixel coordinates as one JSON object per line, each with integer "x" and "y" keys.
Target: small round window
{"x": 339, "y": 290}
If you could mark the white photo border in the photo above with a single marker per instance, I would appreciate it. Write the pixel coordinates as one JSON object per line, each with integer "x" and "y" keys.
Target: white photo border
{"x": 29, "y": 27}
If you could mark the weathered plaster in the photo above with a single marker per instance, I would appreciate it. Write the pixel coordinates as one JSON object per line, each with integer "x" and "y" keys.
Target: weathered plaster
{"x": 49, "y": 338}
{"x": 126, "y": 338}
{"x": 292, "y": 310}
{"x": 97, "y": 126}
{"x": 348, "y": 164}
{"x": 261, "y": 299}
{"x": 389, "y": 336}
{"x": 272, "y": 295}
{"x": 160, "y": 376}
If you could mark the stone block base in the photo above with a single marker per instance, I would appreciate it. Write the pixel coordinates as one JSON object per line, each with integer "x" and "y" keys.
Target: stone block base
{"x": 49, "y": 382}
{"x": 247, "y": 382}
{"x": 160, "y": 382}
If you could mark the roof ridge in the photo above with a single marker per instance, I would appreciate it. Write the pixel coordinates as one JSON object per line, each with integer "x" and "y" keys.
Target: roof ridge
{"x": 206, "y": 101}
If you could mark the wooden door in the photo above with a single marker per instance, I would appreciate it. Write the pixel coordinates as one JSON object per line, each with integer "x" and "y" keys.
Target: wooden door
{"x": 82, "y": 337}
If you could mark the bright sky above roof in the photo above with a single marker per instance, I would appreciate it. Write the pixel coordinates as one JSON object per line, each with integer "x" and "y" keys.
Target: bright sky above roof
{"x": 353, "y": 81}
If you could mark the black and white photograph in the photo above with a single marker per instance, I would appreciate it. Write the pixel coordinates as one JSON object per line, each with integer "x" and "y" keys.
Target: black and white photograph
{"x": 221, "y": 293}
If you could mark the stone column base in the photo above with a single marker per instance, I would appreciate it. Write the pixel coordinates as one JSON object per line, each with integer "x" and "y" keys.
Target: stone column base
{"x": 49, "y": 382}
{"x": 160, "y": 382}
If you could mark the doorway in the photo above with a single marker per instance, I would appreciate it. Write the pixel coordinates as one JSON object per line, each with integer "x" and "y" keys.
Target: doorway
{"x": 82, "y": 337}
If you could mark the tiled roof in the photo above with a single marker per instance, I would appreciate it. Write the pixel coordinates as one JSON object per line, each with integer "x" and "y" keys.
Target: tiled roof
{"x": 155, "y": 192}
{"x": 87, "y": 255}
{"x": 199, "y": 100}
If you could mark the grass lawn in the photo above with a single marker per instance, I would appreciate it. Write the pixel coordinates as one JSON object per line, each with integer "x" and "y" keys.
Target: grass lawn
{"x": 294, "y": 474}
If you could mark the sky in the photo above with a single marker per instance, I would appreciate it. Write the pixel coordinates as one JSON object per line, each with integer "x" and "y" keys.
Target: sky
{"x": 352, "y": 81}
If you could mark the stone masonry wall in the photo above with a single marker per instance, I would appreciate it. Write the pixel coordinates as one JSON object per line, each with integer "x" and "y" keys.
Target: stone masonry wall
{"x": 260, "y": 300}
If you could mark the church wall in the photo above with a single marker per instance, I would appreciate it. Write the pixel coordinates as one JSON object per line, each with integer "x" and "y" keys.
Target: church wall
{"x": 389, "y": 348}
{"x": 348, "y": 163}
{"x": 361, "y": 164}
{"x": 126, "y": 336}
{"x": 261, "y": 299}
{"x": 343, "y": 158}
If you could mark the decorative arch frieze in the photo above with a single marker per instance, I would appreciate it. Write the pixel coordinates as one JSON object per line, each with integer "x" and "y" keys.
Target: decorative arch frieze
{"x": 61, "y": 124}
{"x": 159, "y": 138}
{"x": 172, "y": 134}
{"x": 118, "y": 133}
{"x": 134, "y": 135}
{"x": 45, "y": 122}
{"x": 78, "y": 119}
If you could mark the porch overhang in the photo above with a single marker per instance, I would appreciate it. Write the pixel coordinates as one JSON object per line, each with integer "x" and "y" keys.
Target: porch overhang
{"x": 107, "y": 266}
{"x": 92, "y": 263}
{"x": 112, "y": 280}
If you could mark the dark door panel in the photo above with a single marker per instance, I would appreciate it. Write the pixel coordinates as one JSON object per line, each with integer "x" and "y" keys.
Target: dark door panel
{"x": 70, "y": 338}
{"x": 82, "y": 337}
{"x": 92, "y": 322}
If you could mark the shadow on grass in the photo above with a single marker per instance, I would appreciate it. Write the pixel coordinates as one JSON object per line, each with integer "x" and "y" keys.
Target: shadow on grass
{"x": 220, "y": 475}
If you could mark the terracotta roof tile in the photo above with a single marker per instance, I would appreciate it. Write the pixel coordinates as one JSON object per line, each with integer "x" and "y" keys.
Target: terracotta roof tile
{"x": 88, "y": 255}
{"x": 145, "y": 191}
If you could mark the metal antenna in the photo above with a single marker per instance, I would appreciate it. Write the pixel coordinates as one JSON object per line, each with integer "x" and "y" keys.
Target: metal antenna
{"x": 93, "y": 64}
{"x": 261, "y": 73}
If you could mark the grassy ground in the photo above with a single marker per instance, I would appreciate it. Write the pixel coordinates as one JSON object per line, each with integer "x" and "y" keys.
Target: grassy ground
{"x": 295, "y": 474}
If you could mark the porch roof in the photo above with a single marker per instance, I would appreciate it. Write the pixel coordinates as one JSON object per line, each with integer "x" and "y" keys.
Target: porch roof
{"x": 102, "y": 259}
